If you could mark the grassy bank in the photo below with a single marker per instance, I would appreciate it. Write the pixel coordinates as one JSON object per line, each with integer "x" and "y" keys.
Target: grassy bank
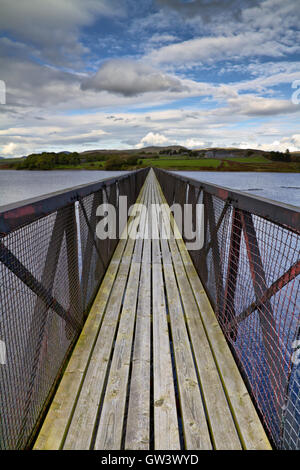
{"x": 255, "y": 163}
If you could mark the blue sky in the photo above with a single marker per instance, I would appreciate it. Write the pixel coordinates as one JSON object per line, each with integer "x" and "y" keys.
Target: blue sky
{"x": 124, "y": 73}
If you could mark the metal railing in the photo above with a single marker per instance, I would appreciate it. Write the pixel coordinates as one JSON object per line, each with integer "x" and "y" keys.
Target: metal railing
{"x": 51, "y": 265}
{"x": 249, "y": 266}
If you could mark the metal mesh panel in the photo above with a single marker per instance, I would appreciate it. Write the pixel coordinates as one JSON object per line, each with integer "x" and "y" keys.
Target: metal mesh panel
{"x": 250, "y": 268}
{"x": 51, "y": 265}
{"x": 37, "y": 274}
{"x": 291, "y": 417}
{"x": 91, "y": 270}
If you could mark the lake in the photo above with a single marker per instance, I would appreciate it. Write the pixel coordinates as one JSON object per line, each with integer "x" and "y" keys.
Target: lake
{"x": 283, "y": 187}
{"x": 19, "y": 185}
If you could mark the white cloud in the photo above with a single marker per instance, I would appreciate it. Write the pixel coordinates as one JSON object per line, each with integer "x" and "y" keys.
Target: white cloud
{"x": 273, "y": 14}
{"x": 130, "y": 78}
{"x": 269, "y": 75}
{"x": 242, "y": 29}
{"x": 152, "y": 139}
{"x": 53, "y": 26}
{"x": 206, "y": 9}
{"x": 281, "y": 145}
{"x": 253, "y": 105}
{"x": 192, "y": 129}
{"x": 250, "y": 44}
{"x": 193, "y": 143}
{"x": 162, "y": 38}
{"x": 9, "y": 149}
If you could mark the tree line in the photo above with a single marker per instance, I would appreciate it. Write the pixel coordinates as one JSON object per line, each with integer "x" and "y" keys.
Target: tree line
{"x": 52, "y": 160}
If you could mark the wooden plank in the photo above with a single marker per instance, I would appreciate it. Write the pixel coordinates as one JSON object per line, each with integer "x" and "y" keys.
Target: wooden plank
{"x": 166, "y": 433}
{"x": 138, "y": 420}
{"x": 248, "y": 424}
{"x": 54, "y": 428}
{"x": 195, "y": 427}
{"x": 52, "y": 432}
{"x": 81, "y": 429}
{"x": 82, "y": 425}
{"x": 109, "y": 433}
{"x": 110, "y": 429}
{"x": 223, "y": 431}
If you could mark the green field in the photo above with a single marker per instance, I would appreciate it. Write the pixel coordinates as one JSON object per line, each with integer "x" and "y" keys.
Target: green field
{"x": 7, "y": 161}
{"x": 253, "y": 159}
{"x": 82, "y": 166}
{"x": 182, "y": 163}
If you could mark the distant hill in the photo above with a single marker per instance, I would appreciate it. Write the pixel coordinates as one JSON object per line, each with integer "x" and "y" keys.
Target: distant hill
{"x": 157, "y": 149}
{"x": 150, "y": 149}
{"x": 210, "y": 152}
{"x": 213, "y": 152}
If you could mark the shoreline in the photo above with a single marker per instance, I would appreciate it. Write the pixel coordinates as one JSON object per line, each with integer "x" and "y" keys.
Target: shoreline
{"x": 191, "y": 169}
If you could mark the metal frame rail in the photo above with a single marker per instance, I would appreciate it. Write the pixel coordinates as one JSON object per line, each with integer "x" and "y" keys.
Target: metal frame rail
{"x": 250, "y": 267}
{"x": 51, "y": 266}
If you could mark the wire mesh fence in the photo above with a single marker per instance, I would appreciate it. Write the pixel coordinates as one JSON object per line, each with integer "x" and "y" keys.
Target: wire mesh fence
{"x": 51, "y": 265}
{"x": 249, "y": 266}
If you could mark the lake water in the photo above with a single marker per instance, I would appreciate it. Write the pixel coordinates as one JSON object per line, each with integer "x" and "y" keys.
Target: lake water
{"x": 19, "y": 185}
{"x": 283, "y": 187}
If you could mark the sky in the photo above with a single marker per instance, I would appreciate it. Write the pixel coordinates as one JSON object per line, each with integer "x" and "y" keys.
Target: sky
{"x": 116, "y": 74}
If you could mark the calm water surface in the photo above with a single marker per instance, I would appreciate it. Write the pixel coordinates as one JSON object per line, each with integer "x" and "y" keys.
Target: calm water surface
{"x": 19, "y": 185}
{"x": 283, "y": 187}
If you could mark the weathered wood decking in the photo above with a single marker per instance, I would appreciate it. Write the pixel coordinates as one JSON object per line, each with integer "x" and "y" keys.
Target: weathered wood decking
{"x": 151, "y": 367}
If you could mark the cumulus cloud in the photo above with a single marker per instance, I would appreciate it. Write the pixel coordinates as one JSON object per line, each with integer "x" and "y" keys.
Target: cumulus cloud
{"x": 152, "y": 139}
{"x": 207, "y": 9}
{"x": 68, "y": 133}
{"x": 158, "y": 139}
{"x": 9, "y": 149}
{"x": 162, "y": 38}
{"x": 253, "y": 29}
{"x": 252, "y": 105}
{"x": 250, "y": 44}
{"x": 281, "y": 145}
{"x": 214, "y": 127}
{"x": 273, "y": 14}
{"x": 130, "y": 78}
{"x": 54, "y": 26}
{"x": 194, "y": 143}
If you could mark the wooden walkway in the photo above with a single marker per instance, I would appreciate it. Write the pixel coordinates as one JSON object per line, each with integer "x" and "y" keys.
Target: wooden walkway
{"x": 151, "y": 368}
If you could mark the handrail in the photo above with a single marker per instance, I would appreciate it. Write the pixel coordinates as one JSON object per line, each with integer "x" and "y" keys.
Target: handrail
{"x": 51, "y": 266}
{"x": 276, "y": 211}
{"x": 27, "y": 211}
{"x": 249, "y": 266}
